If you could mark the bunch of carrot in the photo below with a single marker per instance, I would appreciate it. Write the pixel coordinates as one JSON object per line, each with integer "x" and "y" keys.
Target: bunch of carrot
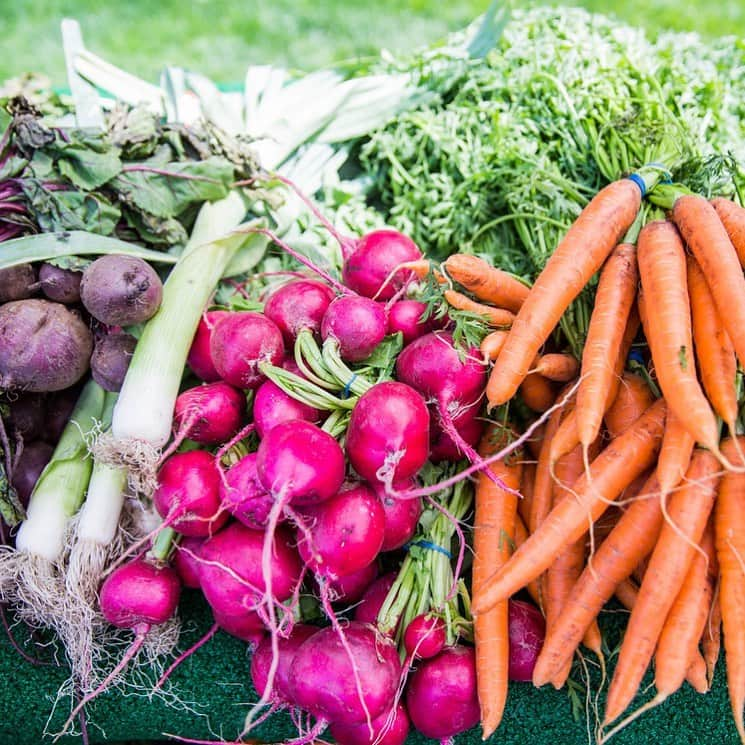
{"x": 632, "y": 467}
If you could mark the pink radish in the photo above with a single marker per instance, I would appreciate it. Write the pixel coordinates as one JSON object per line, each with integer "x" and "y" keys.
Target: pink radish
{"x": 357, "y": 325}
{"x": 350, "y": 588}
{"x": 424, "y": 637}
{"x": 230, "y": 569}
{"x": 373, "y": 599}
{"x": 243, "y": 496}
{"x": 527, "y": 628}
{"x": 322, "y": 669}
{"x": 186, "y": 560}
{"x": 347, "y": 532}
{"x": 187, "y": 496}
{"x": 405, "y": 316}
{"x": 137, "y": 595}
{"x": 388, "y": 434}
{"x": 297, "y": 306}
{"x": 401, "y": 515}
{"x": 211, "y": 413}
{"x": 372, "y": 259}
{"x": 386, "y": 730}
{"x": 246, "y": 626}
{"x": 469, "y": 426}
{"x": 261, "y": 661}
{"x": 455, "y": 381}
{"x": 273, "y": 406}
{"x": 199, "y": 359}
{"x": 441, "y": 696}
{"x": 240, "y": 342}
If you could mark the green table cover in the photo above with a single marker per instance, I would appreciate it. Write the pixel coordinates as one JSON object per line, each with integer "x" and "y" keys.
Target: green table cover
{"x": 217, "y": 679}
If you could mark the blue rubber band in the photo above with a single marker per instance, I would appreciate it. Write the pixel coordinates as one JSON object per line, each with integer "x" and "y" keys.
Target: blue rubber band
{"x": 348, "y": 386}
{"x": 639, "y": 181}
{"x": 431, "y": 546}
{"x": 662, "y": 167}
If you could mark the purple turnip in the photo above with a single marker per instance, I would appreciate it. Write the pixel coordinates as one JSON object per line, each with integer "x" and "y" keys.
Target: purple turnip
{"x": 110, "y": 360}
{"x": 17, "y": 282}
{"x": 60, "y": 285}
{"x": 43, "y": 346}
{"x": 121, "y": 290}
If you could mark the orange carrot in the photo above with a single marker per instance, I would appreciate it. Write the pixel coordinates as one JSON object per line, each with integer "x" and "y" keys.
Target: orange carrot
{"x": 536, "y": 441}
{"x": 487, "y": 283}
{"x": 527, "y": 484}
{"x": 493, "y": 316}
{"x": 684, "y": 624}
{"x": 675, "y": 453}
{"x": 696, "y": 674}
{"x": 707, "y": 239}
{"x": 732, "y": 216}
{"x": 714, "y": 351}
{"x": 560, "y": 368}
{"x": 689, "y": 509}
{"x": 729, "y": 530}
{"x": 492, "y": 344}
{"x": 421, "y": 268}
{"x": 610, "y": 473}
{"x": 633, "y": 538}
{"x": 568, "y": 435}
{"x": 626, "y": 593}
{"x": 712, "y": 639}
{"x": 540, "y": 504}
{"x": 537, "y": 392}
{"x": 662, "y": 268}
{"x": 578, "y": 256}
{"x": 634, "y": 397}
{"x": 521, "y": 535}
{"x": 568, "y": 565}
{"x": 613, "y": 303}
{"x": 493, "y": 535}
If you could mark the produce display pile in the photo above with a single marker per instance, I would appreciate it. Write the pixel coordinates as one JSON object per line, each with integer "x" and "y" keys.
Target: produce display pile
{"x": 411, "y": 393}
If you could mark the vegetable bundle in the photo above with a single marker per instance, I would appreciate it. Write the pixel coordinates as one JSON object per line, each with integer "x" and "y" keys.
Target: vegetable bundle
{"x": 306, "y": 441}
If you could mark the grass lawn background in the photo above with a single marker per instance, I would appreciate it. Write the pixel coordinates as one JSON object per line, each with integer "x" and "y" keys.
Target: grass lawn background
{"x": 221, "y": 37}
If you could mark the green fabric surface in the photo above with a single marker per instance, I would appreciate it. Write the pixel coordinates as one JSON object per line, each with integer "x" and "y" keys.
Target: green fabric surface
{"x": 217, "y": 678}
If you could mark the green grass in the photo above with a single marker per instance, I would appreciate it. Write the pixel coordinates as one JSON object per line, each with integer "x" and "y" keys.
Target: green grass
{"x": 221, "y": 37}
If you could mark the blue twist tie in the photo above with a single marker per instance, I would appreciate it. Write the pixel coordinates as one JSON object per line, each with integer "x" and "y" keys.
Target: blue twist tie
{"x": 431, "y": 546}
{"x": 636, "y": 356}
{"x": 639, "y": 181}
{"x": 348, "y": 386}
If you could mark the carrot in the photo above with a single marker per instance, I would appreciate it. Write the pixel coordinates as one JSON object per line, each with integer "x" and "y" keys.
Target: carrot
{"x": 707, "y": 239}
{"x": 580, "y": 254}
{"x": 732, "y": 216}
{"x": 729, "y": 531}
{"x": 568, "y": 565}
{"x": 712, "y": 639}
{"x": 613, "y": 303}
{"x": 521, "y": 535}
{"x": 634, "y": 397}
{"x": 626, "y": 593}
{"x": 714, "y": 351}
{"x": 610, "y": 473}
{"x": 421, "y": 268}
{"x": 493, "y": 535}
{"x": 667, "y": 326}
{"x": 675, "y": 454}
{"x": 537, "y": 392}
{"x": 487, "y": 283}
{"x": 560, "y": 368}
{"x": 689, "y": 509}
{"x": 684, "y": 624}
{"x": 493, "y": 316}
{"x": 492, "y": 344}
{"x": 633, "y": 538}
{"x": 526, "y": 489}
{"x": 540, "y": 504}
{"x": 568, "y": 435}
{"x": 696, "y": 674}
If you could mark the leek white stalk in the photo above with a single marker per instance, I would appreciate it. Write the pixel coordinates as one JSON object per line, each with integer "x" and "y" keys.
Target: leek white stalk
{"x": 28, "y": 575}
{"x": 144, "y": 411}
